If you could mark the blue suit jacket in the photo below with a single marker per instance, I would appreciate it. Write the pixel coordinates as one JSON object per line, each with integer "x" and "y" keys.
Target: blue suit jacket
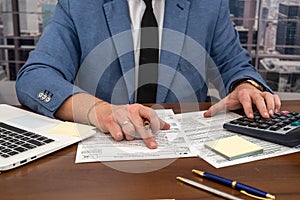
{"x": 88, "y": 47}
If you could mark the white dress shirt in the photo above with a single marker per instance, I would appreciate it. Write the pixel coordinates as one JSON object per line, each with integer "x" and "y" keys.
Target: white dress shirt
{"x": 136, "y": 10}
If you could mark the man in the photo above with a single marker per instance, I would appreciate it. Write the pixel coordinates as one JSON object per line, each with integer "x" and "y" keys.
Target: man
{"x": 98, "y": 41}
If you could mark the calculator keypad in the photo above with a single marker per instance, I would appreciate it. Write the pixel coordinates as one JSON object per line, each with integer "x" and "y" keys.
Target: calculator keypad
{"x": 281, "y": 128}
{"x": 279, "y": 122}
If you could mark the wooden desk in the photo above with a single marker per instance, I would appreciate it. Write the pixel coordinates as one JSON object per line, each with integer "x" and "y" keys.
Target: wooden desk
{"x": 57, "y": 177}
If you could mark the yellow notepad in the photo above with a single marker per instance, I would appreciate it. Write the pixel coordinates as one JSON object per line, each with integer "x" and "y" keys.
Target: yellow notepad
{"x": 71, "y": 129}
{"x": 234, "y": 147}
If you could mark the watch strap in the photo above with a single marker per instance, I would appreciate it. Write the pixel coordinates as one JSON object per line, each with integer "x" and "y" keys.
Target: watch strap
{"x": 250, "y": 81}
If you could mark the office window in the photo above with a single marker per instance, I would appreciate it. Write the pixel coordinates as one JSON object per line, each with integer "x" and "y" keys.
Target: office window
{"x": 268, "y": 29}
{"x": 21, "y": 24}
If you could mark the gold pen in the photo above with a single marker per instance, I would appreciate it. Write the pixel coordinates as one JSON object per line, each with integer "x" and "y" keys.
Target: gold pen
{"x": 245, "y": 189}
{"x": 147, "y": 124}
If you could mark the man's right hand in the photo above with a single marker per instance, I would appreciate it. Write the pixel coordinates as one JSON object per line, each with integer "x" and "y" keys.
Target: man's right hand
{"x": 121, "y": 121}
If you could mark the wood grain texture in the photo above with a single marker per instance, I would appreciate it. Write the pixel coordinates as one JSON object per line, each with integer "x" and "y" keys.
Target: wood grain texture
{"x": 57, "y": 177}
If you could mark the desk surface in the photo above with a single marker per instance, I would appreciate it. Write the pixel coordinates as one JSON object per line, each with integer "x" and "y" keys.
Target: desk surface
{"x": 57, "y": 177}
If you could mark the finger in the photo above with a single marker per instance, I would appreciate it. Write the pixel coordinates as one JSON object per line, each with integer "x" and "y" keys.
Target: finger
{"x": 141, "y": 113}
{"x": 128, "y": 130}
{"x": 114, "y": 129}
{"x": 164, "y": 125}
{"x": 147, "y": 136}
{"x": 246, "y": 101}
{"x": 150, "y": 142}
{"x": 220, "y": 106}
{"x": 270, "y": 102}
{"x": 277, "y": 103}
{"x": 260, "y": 102}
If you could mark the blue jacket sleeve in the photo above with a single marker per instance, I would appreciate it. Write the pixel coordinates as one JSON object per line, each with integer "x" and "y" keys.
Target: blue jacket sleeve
{"x": 46, "y": 80}
{"x": 231, "y": 60}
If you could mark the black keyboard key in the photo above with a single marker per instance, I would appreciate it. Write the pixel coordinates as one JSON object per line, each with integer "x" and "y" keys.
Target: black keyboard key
{"x": 34, "y": 136}
{"x": 19, "y": 142}
{"x": 263, "y": 126}
{"x": 253, "y": 124}
{"x": 270, "y": 122}
{"x": 283, "y": 117}
{"x": 4, "y": 155}
{"x": 12, "y": 146}
{"x": 294, "y": 113}
{"x": 49, "y": 141}
{"x": 28, "y": 146}
{"x": 41, "y": 138}
{"x": 275, "y": 128}
{"x": 6, "y": 144}
{"x": 25, "y": 138}
{"x": 6, "y": 150}
{"x": 19, "y": 136}
{"x": 13, "y": 141}
{"x": 277, "y": 120}
{"x": 28, "y": 134}
{"x": 281, "y": 124}
{"x": 12, "y": 153}
{"x": 20, "y": 149}
{"x": 35, "y": 142}
{"x": 6, "y": 126}
{"x": 244, "y": 123}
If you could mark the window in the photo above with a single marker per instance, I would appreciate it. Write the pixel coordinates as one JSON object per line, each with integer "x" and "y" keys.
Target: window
{"x": 268, "y": 29}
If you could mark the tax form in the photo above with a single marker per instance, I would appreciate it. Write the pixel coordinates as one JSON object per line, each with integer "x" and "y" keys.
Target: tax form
{"x": 199, "y": 130}
{"x": 102, "y": 147}
{"x": 186, "y": 138}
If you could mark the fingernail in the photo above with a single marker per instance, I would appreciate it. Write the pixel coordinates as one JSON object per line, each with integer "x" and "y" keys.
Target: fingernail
{"x": 153, "y": 144}
{"x": 266, "y": 114}
{"x": 120, "y": 136}
{"x": 276, "y": 111}
{"x": 271, "y": 112}
{"x": 251, "y": 115}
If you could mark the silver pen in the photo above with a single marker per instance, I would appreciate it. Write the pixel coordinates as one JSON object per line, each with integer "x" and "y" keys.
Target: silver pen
{"x": 207, "y": 188}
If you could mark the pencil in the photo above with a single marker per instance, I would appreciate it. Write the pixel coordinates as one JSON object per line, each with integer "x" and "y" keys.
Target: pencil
{"x": 207, "y": 188}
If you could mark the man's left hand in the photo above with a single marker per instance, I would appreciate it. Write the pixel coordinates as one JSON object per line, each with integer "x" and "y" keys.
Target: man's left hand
{"x": 244, "y": 96}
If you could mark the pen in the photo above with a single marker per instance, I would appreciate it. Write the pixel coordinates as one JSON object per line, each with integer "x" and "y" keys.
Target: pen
{"x": 245, "y": 189}
{"x": 207, "y": 188}
{"x": 147, "y": 124}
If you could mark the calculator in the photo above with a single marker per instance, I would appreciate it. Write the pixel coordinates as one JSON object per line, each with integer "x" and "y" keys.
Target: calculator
{"x": 281, "y": 128}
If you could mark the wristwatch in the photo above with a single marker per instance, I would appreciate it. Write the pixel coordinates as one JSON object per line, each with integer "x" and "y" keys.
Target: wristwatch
{"x": 250, "y": 81}
{"x": 255, "y": 84}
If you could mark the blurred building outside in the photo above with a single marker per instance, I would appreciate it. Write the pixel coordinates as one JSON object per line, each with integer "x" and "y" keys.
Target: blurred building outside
{"x": 268, "y": 29}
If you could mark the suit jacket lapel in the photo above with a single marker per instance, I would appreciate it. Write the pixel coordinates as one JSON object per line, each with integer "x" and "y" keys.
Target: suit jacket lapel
{"x": 175, "y": 24}
{"x": 118, "y": 20}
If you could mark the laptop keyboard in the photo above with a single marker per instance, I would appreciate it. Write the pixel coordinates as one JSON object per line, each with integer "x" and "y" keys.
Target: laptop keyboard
{"x": 14, "y": 140}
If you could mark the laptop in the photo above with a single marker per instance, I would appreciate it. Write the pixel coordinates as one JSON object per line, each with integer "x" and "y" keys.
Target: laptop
{"x": 26, "y": 136}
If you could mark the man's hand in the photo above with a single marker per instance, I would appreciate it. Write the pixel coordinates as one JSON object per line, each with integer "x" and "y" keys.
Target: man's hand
{"x": 127, "y": 122}
{"x": 121, "y": 121}
{"x": 244, "y": 96}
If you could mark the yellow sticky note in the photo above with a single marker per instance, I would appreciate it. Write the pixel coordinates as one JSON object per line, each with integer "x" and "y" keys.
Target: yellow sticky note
{"x": 234, "y": 147}
{"x": 71, "y": 129}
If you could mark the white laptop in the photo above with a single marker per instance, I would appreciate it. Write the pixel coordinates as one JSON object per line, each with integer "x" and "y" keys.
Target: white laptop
{"x": 26, "y": 136}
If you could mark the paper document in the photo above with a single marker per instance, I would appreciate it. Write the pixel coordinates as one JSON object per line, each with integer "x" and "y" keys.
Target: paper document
{"x": 200, "y": 130}
{"x": 102, "y": 147}
{"x": 187, "y": 137}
